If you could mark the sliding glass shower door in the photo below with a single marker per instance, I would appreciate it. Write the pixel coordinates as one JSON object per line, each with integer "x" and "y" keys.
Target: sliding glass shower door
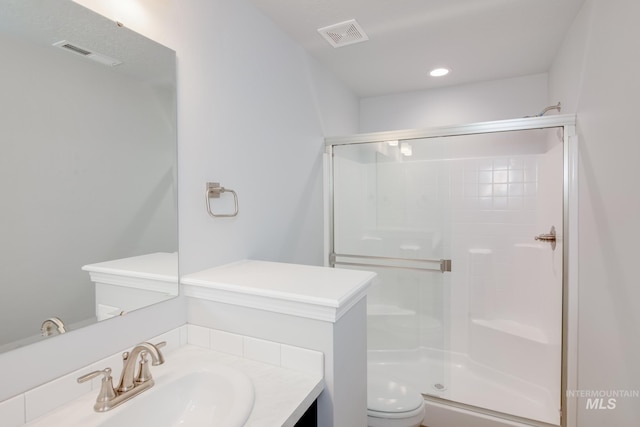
{"x": 465, "y": 235}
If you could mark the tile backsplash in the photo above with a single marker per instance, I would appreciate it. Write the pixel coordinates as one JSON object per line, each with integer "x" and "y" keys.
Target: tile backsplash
{"x": 272, "y": 353}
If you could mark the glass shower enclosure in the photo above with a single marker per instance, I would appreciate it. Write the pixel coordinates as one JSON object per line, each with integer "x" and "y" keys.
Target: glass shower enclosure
{"x": 464, "y": 227}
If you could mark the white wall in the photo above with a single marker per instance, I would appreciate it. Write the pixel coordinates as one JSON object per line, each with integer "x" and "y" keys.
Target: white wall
{"x": 478, "y": 102}
{"x": 253, "y": 112}
{"x": 596, "y": 76}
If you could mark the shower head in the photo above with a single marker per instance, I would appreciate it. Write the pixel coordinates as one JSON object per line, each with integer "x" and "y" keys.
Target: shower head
{"x": 558, "y": 107}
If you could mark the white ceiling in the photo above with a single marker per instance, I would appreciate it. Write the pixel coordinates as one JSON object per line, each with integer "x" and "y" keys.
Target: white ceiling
{"x": 478, "y": 40}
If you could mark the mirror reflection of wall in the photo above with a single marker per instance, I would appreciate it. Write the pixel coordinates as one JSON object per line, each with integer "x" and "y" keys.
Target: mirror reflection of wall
{"x": 88, "y": 164}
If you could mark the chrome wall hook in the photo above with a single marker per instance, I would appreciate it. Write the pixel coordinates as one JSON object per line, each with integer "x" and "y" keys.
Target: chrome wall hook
{"x": 213, "y": 191}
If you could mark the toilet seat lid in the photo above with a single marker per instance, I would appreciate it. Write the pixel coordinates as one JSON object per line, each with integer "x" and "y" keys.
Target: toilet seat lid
{"x": 387, "y": 395}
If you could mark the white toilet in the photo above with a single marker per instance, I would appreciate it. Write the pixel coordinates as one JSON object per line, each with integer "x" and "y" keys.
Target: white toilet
{"x": 393, "y": 404}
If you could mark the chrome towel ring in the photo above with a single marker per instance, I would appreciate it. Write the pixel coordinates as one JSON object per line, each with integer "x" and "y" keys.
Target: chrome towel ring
{"x": 213, "y": 191}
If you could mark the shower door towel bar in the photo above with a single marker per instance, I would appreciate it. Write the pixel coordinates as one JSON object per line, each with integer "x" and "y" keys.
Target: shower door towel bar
{"x": 213, "y": 191}
{"x": 409, "y": 263}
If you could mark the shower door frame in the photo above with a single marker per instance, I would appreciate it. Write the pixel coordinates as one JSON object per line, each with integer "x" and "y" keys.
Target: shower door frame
{"x": 568, "y": 409}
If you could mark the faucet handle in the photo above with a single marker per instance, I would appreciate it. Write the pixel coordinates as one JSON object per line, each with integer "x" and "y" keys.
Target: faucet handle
{"x": 106, "y": 372}
{"x": 107, "y": 393}
{"x": 144, "y": 373}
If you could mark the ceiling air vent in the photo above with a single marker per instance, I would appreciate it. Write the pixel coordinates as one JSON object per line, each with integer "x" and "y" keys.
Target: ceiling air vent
{"x": 98, "y": 57}
{"x": 344, "y": 33}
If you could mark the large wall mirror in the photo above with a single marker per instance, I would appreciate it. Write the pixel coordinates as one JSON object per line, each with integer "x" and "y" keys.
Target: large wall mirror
{"x": 88, "y": 191}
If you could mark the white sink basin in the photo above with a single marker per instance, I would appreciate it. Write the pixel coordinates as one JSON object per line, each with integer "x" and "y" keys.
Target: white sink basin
{"x": 216, "y": 396}
{"x": 189, "y": 391}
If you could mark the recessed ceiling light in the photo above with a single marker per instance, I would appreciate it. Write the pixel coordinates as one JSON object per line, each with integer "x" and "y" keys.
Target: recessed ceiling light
{"x": 439, "y": 72}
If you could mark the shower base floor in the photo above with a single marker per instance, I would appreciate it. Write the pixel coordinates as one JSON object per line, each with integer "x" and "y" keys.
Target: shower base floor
{"x": 457, "y": 378}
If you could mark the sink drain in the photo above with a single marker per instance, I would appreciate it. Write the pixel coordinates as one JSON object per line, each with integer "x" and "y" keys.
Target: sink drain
{"x": 439, "y": 387}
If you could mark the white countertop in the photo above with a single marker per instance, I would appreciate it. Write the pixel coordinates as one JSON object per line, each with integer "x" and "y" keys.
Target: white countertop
{"x": 307, "y": 291}
{"x": 156, "y": 272}
{"x": 162, "y": 266}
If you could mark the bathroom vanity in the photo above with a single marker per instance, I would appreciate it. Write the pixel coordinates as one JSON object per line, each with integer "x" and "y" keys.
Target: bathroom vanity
{"x": 296, "y": 333}
{"x": 195, "y": 386}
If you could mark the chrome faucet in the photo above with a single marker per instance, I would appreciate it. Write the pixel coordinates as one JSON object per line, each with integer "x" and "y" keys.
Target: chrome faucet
{"x": 131, "y": 384}
{"x": 48, "y": 326}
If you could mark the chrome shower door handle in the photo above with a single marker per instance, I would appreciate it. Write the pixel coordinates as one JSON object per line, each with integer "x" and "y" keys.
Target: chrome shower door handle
{"x": 550, "y": 237}
{"x": 546, "y": 237}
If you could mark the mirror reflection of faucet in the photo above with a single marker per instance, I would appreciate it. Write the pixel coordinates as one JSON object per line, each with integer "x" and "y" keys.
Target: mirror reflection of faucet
{"x": 132, "y": 381}
{"x": 51, "y": 325}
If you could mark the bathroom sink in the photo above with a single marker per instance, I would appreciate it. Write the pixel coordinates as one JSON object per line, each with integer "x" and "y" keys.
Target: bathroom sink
{"x": 191, "y": 390}
{"x": 213, "y": 397}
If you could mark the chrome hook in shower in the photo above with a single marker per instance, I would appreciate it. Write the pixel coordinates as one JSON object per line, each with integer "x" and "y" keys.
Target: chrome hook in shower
{"x": 213, "y": 190}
